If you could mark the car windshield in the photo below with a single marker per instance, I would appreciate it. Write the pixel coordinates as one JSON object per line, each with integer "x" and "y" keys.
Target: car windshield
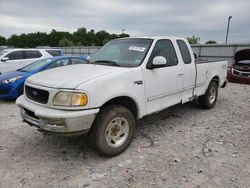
{"x": 122, "y": 52}
{"x": 36, "y": 65}
{"x": 246, "y": 62}
{"x": 3, "y": 52}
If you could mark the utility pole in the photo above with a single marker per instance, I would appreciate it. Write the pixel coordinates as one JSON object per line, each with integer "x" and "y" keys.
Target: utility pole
{"x": 228, "y": 25}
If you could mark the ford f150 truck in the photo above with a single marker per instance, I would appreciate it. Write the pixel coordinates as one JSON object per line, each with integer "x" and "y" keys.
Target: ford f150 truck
{"x": 125, "y": 80}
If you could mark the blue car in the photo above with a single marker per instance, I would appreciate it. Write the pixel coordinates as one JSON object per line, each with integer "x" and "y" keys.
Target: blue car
{"x": 11, "y": 83}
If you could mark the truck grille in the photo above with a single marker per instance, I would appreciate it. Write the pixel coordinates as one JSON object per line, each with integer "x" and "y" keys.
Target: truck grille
{"x": 37, "y": 95}
{"x": 241, "y": 74}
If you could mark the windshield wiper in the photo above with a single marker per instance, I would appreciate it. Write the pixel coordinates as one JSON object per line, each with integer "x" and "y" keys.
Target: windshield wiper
{"x": 113, "y": 63}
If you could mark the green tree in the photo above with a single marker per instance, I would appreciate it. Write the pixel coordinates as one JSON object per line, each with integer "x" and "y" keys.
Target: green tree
{"x": 80, "y": 37}
{"x": 193, "y": 40}
{"x": 2, "y": 41}
{"x": 105, "y": 41}
{"x": 65, "y": 42}
{"x": 56, "y": 36}
{"x": 211, "y": 42}
{"x": 62, "y": 38}
{"x": 91, "y": 37}
{"x": 123, "y": 35}
{"x": 101, "y": 37}
{"x": 17, "y": 41}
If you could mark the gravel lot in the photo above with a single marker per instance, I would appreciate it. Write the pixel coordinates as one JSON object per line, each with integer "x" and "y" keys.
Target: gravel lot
{"x": 183, "y": 146}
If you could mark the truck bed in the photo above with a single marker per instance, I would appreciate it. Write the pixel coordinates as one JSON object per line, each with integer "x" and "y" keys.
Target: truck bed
{"x": 205, "y": 70}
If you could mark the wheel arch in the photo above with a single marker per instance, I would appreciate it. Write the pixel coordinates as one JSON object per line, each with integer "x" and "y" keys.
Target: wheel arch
{"x": 216, "y": 79}
{"x": 125, "y": 101}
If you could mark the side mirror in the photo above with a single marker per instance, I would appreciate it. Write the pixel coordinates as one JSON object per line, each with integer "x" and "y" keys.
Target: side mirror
{"x": 159, "y": 61}
{"x": 5, "y": 59}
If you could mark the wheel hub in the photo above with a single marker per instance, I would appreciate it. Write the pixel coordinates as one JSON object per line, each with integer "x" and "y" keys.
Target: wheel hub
{"x": 117, "y": 132}
{"x": 212, "y": 95}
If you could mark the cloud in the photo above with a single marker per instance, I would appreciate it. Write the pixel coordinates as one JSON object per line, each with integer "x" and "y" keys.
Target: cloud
{"x": 206, "y": 19}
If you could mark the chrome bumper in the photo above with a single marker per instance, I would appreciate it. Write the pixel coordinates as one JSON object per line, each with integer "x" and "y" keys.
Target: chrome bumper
{"x": 56, "y": 121}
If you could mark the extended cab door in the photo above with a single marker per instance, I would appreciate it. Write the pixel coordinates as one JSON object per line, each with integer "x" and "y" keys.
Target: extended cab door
{"x": 189, "y": 70}
{"x": 163, "y": 85}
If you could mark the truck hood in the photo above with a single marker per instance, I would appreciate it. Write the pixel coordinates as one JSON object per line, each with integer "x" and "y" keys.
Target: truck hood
{"x": 69, "y": 77}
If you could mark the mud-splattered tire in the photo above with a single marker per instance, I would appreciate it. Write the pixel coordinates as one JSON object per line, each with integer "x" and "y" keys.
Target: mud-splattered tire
{"x": 112, "y": 130}
{"x": 208, "y": 100}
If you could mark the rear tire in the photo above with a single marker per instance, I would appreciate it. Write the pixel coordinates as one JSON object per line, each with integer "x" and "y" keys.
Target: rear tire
{"x": 112, "y": 130}
{"x": 208, "y": 100}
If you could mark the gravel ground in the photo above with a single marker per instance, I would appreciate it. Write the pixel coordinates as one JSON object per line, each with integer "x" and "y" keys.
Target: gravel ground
{"x": 183, "y": 146}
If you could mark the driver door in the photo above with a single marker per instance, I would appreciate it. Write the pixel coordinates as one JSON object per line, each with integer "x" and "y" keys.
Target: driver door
{"x": 163, "y": 85}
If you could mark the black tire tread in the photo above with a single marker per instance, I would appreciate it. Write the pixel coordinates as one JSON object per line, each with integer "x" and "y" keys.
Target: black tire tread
{"x": 204, "y": 101}
{"x": 99, "y": 127}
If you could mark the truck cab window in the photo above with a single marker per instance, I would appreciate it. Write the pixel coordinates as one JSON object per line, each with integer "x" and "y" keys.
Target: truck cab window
{"x": 166, "y": 49}
{"x": 184, "y": 52}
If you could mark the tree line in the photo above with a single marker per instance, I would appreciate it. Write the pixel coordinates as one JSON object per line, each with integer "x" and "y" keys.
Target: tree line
{"x": 196, "y": 40}
{"x": 81, "y": 37}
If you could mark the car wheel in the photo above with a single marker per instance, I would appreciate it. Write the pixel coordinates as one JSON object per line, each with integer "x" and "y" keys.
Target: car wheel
{"x": 208, "y": 100}
{"x": 112, "y": 130}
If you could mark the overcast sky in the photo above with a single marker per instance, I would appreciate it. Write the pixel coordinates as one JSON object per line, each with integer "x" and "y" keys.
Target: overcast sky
{"x": 203, "y": 18}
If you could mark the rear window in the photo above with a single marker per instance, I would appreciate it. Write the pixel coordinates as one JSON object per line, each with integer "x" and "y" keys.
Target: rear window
{"x": 184, "y": 51}
{"x": 29, "y": 54}
{"x": 54, "y": 52}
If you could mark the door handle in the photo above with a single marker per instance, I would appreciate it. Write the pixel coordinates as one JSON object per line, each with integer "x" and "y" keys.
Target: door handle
{"x": 180, "y": 75}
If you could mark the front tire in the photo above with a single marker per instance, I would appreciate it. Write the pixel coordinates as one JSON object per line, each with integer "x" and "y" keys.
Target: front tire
{"x": 208, "y": 100}
{"x": 112, "y": 130}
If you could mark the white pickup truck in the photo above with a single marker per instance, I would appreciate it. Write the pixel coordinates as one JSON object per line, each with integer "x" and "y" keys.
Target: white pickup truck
{"x": 125, "y": 80}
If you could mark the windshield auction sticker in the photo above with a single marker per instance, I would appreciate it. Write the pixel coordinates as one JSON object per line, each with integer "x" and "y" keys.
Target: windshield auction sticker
{"x": 137, "y": 48}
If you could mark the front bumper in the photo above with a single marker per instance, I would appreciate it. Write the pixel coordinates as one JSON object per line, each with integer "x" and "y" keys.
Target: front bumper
{"x": 8, "y": 91}
{"x": 238, "y": 79}
{"x": 61, "y": 122}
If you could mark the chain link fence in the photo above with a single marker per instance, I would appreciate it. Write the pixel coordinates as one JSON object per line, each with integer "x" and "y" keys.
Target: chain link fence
{"x": 218, "y": 51}
{"x": 79, "y": 50}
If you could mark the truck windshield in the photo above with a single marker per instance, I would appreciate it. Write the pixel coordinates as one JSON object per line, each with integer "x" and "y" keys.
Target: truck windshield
{"x": 128, "y": 52}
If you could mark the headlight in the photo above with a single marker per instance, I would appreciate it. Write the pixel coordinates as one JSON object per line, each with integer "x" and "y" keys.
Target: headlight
{"x": 65, "y": 98}
{"x": 11, "y": 80}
